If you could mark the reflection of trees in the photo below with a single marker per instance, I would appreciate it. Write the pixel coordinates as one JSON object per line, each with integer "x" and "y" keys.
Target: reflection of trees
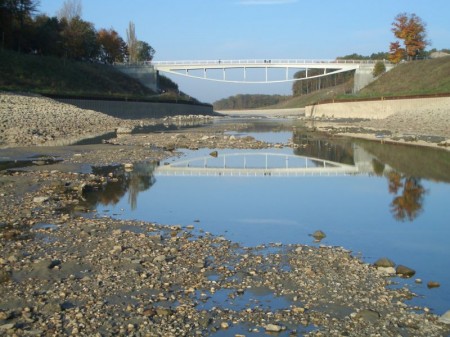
{"x": 135, "y": 181}
{"x": 140, "y": 179}
{"x": 332, "y": 150}
{"x": 408, "y": 204}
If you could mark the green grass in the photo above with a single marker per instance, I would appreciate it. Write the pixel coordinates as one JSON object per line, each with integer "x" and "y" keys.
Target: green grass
{"x": 50, "y": 75}
{"x": 427, "y": 77}
{"x": 417, "y": 78}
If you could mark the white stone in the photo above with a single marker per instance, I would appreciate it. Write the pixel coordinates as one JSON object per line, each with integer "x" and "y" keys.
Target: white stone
{"x": 273, "y": 328}
{"x": 386, "y": 270}
{"x": 40, "y": 200}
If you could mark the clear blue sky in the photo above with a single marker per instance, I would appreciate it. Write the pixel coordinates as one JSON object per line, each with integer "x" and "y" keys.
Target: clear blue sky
{"x": 259, "y": 29}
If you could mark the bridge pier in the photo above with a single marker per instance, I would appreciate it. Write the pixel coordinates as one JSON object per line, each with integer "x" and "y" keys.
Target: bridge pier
{"x": 364, "y": 75}
{"x": 146, "y": 74}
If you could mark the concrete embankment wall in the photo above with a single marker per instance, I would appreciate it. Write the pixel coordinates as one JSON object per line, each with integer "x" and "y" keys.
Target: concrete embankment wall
{"x": 264, "y": 112}
{"x": 139, "y": 110}
{"x": 375, "y": 109}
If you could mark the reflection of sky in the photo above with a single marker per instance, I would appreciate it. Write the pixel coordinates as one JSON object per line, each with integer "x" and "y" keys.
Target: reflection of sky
{"x": 353, "y": 211}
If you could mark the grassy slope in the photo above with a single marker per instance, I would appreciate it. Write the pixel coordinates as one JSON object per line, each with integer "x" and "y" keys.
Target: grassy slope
{"x": 413, "y": 78}
{"x": 50, "y": 75}
{"x": 426, "y": 77}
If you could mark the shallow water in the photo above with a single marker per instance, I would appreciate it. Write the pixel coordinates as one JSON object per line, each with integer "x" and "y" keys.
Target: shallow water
{"x": 395, "y": 205}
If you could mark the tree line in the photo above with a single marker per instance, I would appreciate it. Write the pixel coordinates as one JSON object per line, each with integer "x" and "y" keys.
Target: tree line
{"x": 67, "y": 35}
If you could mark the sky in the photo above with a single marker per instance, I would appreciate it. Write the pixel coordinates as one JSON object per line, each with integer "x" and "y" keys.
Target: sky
{"x": 259, "y": 29}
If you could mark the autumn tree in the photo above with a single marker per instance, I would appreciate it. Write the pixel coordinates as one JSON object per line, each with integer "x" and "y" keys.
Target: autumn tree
{"x": 112, "y": 46}
{"x": 80, "y": 39}
{"x": 410, "y": 29}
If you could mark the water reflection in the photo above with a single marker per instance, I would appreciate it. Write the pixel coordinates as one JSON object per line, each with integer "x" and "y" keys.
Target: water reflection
{"x": 407, "y": 204}
{"x": 364, "y": 212}
{"x": 134, "y": 181}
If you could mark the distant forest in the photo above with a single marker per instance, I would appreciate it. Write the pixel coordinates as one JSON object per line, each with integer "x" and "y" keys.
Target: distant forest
{"x": 248, "y": 101}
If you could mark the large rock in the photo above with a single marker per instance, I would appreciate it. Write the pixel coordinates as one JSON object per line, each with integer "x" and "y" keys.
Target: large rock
{"x": 384, "y": 262}
{"x": 368, "y": 315}
{"x": 273, "y": 328}
{"x": 405, "y": 271}
{"x": 318, "y": 235}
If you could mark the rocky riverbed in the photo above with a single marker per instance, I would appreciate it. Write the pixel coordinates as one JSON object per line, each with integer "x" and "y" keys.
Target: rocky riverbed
{"x": 65, "y": 270}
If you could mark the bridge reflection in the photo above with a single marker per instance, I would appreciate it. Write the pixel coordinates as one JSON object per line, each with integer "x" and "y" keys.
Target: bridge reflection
{"x": 255, "y": 164}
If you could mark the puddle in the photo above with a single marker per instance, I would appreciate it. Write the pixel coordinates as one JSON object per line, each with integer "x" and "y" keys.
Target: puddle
{"x": 232, "y": 299}
{"x": 45, "y": 226}
{"x": 21, "y": 163}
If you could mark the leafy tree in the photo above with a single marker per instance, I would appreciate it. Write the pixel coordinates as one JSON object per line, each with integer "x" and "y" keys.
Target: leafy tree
{"x": 144, "y": 52}
{"x": 14, "y": 15}
{"x": 112, "y": 46}
{"x": 380, "y": 68}
{"x": 80, "y": 39}
{"x": 396, "y": 53}
{"x": 410, "y": 29}
{"x": 47, "y": 39}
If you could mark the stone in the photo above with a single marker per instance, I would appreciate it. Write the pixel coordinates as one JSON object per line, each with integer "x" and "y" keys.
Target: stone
{"x": 163, "y": 311}
{"x": 123, "y": 130}
{"x": 387, "y": 270}
{"x": 40, "y": 200}
{"x": 4, "y": 276}
{"x": 318, "y": 235}
{"x": 214, "y": 154}
{"x": 224, "y": 325}
{"x": 159, "y": 258}
{"x": 273, "y": 328}
{"x": 404, "y": 271}
{"x": 384, "y": 262}
{"x": 368, "y": 315}
{"x": 433, "y": 284}
{"x": 445, "y": 318}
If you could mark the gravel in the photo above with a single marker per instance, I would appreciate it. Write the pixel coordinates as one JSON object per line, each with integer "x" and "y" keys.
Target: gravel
{"x": 67, "y": 272}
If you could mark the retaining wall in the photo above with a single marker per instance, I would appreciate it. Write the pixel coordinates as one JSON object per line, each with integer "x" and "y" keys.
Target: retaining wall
{"x": 139, "y": 110}
{"x": 375, "y": 109}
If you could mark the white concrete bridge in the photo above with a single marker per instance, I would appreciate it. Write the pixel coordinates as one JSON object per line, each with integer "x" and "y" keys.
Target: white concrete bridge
{"x": 251, "y": 71}
{"x": 216, "y": 70}
{"x": 255, "y": 164}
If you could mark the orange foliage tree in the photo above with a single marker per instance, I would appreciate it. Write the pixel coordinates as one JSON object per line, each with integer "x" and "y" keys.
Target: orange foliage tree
{"x": 112, "y": 47}
{"x": 410, "y": 29}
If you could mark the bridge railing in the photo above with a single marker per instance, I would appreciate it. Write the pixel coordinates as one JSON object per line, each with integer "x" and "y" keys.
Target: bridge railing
{"x": 265, "y": 61}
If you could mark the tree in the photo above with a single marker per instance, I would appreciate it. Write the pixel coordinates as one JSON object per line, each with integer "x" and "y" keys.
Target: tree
{"x": 47, "y": 39}
{"x": 144, "y": 52}
{"x": 396, "y": 53}
{"x": 410, "y": 29}
{"x": 112, "y": 46}
{"x": 70, "y": 10}
{"x": 380, "y": 68}
{"x": 80, "y": 39}
{"x": 132, "y": 43}
{"x": 14, "y": 14}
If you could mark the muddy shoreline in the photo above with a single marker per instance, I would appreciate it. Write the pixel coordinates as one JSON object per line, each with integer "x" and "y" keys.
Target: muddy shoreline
{"x": 67, "y": 272}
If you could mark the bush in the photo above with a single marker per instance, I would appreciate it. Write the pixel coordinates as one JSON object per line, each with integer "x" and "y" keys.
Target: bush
{"x": 379, "y": 69}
